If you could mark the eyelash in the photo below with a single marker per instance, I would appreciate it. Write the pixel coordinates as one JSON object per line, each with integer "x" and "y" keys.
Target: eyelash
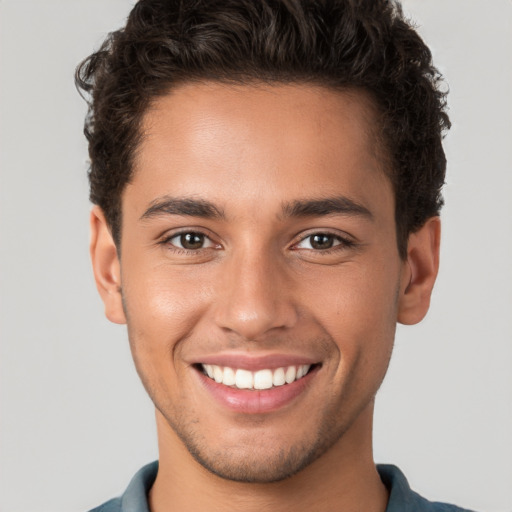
{"x": 166, "y": 241}
{"x": 343, "y": 243}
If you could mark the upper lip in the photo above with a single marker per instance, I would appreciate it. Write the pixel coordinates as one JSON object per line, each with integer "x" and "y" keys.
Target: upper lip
{"x": 255, "y": 363}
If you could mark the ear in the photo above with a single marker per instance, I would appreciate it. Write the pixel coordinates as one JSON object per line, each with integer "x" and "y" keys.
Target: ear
{"x": 419, "y": 272}
{"x": 106, "y": 266}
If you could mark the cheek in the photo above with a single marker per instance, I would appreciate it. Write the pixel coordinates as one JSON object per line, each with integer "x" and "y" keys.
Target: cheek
{"x": 359, "y": 311}
{"x": 163, "y": 304}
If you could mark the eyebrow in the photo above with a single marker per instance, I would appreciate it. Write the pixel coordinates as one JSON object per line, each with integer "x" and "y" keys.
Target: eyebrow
{"x": 191, "y": 207}
{"x": 168, "y": 205}
{"x": 325, "y": 206}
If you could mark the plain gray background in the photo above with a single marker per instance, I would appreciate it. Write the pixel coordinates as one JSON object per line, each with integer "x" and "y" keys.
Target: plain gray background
{"x": 75, "y": 421}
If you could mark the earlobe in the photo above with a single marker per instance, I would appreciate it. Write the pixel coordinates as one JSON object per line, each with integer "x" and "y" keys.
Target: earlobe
{"x": 419, "y": 272}
{"x": 106, "y": 266}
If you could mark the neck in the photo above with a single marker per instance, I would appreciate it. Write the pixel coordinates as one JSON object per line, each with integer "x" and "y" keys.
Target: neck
{"x": 344, "y": 478}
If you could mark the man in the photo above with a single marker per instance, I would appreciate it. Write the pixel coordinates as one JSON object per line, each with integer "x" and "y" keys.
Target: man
{"x": 266, "y": 178}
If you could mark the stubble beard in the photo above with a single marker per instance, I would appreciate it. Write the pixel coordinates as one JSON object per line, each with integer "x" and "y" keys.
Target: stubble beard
{"x": 250, "y": 465}
{"x": 246, "y": 467}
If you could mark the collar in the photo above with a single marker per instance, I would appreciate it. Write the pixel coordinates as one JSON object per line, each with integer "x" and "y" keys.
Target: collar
{"x": 401, "y": 497}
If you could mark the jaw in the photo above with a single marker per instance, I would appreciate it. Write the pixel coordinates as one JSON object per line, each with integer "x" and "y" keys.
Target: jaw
{"x": 250, "y": 436}
{"x": 180, "y": 474}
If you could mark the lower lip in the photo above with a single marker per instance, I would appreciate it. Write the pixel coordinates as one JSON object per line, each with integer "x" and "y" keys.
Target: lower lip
{"x": 256, "y": 401}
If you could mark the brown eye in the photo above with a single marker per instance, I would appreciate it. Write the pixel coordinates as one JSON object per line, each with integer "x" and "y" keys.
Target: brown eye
{"x": 321, "y": 241}
{"x": 190, "y": 241}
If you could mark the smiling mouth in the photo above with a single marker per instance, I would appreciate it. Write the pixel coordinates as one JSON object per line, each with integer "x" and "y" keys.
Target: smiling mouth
{"x": 262, "y": 379}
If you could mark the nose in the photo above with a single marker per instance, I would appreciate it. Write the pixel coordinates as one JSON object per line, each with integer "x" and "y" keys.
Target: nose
{"x": 255, "y": 297}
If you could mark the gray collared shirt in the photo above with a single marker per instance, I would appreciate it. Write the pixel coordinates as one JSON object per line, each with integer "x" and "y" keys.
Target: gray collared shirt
{"x": 401, "y": 497}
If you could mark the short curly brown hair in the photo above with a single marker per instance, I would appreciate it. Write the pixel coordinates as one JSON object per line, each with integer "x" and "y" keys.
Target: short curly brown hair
{"x": 363, "y": 44}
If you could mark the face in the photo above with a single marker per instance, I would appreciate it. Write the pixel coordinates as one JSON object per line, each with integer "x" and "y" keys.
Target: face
{"x": 259, "y": 272}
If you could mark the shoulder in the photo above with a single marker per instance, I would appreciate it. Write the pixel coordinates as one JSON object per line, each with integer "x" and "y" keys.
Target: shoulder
{"x": 135, "y": 496}
{"x": 113, "y": 505}
{"x": 402, "y": 498}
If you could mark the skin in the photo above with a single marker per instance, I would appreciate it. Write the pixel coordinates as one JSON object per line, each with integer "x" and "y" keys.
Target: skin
{"x": 257, "y": 286}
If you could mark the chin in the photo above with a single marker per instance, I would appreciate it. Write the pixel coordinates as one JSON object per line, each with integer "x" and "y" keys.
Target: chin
{"x": 255, "y": 457}
{"x": 255, "y": 468}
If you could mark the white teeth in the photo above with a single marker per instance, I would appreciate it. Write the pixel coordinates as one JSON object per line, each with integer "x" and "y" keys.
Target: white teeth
{"x": 278, "y": 377}
{"x": 262, "y": 379}
{"x": 229, "y": 377}
{"x": 302, "y": 370}
{"x": 291, "y": 374}
{"x": 209, "y": 370}
{"x": 218, "y": 374}
{"x": 244, "y": 379}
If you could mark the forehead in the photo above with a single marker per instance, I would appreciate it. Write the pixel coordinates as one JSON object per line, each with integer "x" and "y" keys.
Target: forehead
{"x": 258, "y": 143}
